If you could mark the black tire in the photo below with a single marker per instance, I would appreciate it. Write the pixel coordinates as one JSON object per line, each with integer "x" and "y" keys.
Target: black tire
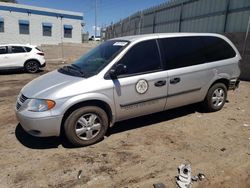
{"x": 31, "y": 66}
{"x": 212, "y": 104}
{"x": 72, "y": 122}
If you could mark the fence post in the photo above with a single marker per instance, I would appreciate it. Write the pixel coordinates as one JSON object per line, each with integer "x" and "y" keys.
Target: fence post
{"x": 154, "y": 21}
{"x": 245, "y": 40}
{"x": 121, "y": 27}
{"x": 139, "y": 24}
{"x": 128, "y": 25}
{"x": 180, "y": 18}
{"x": 226, "y": 15}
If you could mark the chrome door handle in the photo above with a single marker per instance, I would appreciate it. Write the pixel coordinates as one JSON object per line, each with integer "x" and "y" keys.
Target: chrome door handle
{"x": 160, "y": 83}
{"x": 175, "y": 80}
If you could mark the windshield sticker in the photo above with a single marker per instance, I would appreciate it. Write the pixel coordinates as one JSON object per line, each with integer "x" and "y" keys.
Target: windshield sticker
{"x": 120, "y": 44}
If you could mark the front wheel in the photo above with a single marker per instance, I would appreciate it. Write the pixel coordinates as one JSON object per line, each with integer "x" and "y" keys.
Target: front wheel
{"x": 216, "y": 97}
{"x": 86, "y": 125}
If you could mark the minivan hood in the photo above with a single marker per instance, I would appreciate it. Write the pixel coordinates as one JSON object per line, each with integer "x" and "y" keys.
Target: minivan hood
{"x": 48, "y": 85}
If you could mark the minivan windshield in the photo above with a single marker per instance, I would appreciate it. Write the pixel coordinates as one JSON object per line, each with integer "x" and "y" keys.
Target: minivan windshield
{"x": 95, "y": 60}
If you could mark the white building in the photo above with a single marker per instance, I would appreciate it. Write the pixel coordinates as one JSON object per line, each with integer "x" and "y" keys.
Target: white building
{"x": 35, "y": 25}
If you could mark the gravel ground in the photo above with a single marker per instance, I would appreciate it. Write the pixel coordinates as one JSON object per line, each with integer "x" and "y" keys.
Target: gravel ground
{"x": 136, "y": 153}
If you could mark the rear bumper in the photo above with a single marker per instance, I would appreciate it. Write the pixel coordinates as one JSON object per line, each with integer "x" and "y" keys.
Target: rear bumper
{"x": 234, "y": 84}
{"x": 43, "y": 65}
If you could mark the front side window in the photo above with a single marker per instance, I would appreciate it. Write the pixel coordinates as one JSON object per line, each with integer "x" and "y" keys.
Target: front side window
{"x": 142, "y": 58}
{"x": 17, "y": 49}
{"x": 95, "y": 60}
{"x": 24, "y": 27}
{"x": 68, "y": 31}
{"x": 3, "y": 50}
{"x": 183, "y": 51}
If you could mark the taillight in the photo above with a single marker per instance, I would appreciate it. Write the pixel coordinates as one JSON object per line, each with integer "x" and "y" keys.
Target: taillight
{"x": 42, "y": 54}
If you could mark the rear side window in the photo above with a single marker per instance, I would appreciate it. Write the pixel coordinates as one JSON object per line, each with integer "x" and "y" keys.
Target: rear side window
{"x": 28, "y": 49}
{"x": 217, "y": 49}
{"x": 143, "y": 57}
{"x": 3, "y": 50}
{"x": 183, "y": 51}
{"x": 187, "y": 51}
{"x": 17, "y": 49}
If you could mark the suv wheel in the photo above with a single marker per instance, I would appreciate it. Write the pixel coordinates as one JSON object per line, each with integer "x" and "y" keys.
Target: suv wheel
{"x": 216, "y": 97}
{"x": 86, "y": 125}
{"x": 31, "y": 66}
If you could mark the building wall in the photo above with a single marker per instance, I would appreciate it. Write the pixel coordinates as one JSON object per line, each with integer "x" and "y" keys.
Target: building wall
{"x": 11, "y": 26}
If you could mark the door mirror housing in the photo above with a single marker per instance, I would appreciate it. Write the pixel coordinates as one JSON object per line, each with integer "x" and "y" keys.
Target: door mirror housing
{"x": 117, "y": 70}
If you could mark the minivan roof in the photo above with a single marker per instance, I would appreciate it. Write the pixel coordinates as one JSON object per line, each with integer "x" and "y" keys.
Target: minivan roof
{"x": 134, "y": 38}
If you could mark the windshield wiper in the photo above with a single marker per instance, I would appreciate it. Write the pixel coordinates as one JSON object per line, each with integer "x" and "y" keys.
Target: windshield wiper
{"x": 73, "y": 69}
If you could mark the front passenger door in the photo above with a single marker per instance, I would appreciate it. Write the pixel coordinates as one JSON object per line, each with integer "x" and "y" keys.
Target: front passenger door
{"x": 4, "y": 56}
{"x": 143, "y": 88}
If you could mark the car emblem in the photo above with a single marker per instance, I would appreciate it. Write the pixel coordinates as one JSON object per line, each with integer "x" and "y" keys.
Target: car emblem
{"x": 141, "y": 86}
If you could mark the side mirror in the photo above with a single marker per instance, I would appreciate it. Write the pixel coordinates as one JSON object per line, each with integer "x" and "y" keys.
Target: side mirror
{"x": 117, "y": 70}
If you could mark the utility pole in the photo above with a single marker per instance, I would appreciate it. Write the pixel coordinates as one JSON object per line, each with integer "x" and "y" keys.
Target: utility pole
{"x": 95, "y": 18}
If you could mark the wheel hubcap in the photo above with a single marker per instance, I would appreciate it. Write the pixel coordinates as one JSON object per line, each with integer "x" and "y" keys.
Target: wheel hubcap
{"x": 218, "y": 97}
{"x": 88, "y": 126}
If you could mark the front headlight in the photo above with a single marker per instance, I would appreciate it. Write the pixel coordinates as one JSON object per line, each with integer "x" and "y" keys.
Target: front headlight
{"x": 40, "y": 105}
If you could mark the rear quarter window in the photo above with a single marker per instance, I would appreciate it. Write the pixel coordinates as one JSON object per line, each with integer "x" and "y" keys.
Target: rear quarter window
{"x": 28, "y": 49}
{"x": 38, "y": 49}
{"x": 194, "y": 50}
{"x": 217, "y": 49}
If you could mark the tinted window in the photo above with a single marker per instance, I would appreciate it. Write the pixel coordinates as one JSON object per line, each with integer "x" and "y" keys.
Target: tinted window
{"x": 17, "y": 49}
{"x": 47, "y": 31}
{"x": 217, "y": 49}
{"x": 3, "y": 50}
{"x": 67, "y": 33}
{"x": 38, "y": 49}
{"x": 28, "y": 49}
{"x": 1, "y": 26}
{"x": 24, "y": 29}
{"x": 143, "y": 57}
{"x": 183, "y": 51}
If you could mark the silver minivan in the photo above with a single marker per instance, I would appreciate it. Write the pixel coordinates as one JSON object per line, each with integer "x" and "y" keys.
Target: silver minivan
{"x": 128, "y": 77}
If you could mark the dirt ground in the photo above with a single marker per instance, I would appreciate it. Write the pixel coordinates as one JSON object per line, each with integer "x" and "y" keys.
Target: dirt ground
{"x": 135, "y": 153}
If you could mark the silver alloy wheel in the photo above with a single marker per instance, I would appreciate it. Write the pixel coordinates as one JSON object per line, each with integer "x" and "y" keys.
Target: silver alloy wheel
{"x": 218, "y": 97}
{"x": 88, "y": 126}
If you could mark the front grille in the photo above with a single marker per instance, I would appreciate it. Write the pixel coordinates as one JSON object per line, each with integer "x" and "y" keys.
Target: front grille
{"x": 20, "y": 101}
{"x": 18, "y": 106}
{"x": 22, "y": 98}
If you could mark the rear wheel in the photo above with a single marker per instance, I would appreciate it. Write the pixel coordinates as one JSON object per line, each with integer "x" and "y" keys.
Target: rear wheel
{"x": 86, "y": 125}
{"x": 216, "y": 97}
{"x": 31, "y": 66}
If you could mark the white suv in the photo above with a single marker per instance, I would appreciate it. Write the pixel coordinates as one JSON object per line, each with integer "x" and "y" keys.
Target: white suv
{"x": 15, "y": 56}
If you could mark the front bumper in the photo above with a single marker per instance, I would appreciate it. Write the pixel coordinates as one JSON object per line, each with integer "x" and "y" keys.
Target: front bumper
{"x": 40, "y": 127}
